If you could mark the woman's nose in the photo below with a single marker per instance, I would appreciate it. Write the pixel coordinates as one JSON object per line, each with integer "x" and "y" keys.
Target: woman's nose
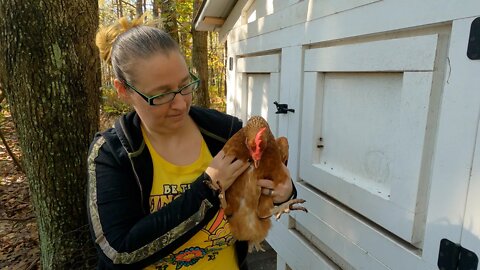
{"x": 178, "y": 101}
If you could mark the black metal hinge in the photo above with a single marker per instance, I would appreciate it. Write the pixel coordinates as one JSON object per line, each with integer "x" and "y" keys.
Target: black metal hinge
{"x": 473, "y": 49}
{"x": 455, "y": 257}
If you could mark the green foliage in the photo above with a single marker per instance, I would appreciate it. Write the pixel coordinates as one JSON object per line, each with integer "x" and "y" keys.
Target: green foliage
{"x": 184, "y": 18}
{"x": 217, "y": 101}
{"x": 111, "y": 105}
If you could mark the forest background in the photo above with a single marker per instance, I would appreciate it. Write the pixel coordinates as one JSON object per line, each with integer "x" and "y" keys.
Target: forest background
{"x": 52, "y": 83}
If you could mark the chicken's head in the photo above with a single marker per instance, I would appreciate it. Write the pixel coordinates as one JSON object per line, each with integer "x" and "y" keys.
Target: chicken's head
{"x": 257, "y": 133}
{"x": 256, "y": 146}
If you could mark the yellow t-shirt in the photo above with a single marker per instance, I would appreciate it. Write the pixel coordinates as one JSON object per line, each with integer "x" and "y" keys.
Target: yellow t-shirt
{"x": 212, "y": 247}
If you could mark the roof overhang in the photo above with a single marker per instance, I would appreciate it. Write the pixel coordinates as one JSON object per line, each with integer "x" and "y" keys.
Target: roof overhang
{"x": 212, "y": 14}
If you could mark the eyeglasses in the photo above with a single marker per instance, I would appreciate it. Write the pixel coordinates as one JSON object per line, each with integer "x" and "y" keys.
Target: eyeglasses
{"x": 169, "y": 96}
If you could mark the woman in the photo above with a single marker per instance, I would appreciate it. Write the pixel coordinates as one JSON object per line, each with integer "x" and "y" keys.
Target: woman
{"x": 149, "y": 205}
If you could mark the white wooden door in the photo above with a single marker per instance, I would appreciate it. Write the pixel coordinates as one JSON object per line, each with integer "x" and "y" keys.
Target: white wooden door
{"x": 371, "y": 114}
{"x": 258, "y": 80}
{"x": 366, "y": 134}
{"x": 470, "y": 233}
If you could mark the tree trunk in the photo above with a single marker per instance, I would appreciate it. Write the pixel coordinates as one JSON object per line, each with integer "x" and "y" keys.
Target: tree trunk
{"x": 226, "y": 68}
{"x": 145, "y": 5}
{"x": 200, "y": 60}
{"x": 50, "y": 69}
{"x": 155, "y": 9}
{"x": 169, "y": 16}
{"x": 139, "y": 8}
{"x": 119, "y": 8}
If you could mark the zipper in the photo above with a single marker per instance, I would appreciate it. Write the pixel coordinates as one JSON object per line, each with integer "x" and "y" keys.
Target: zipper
{"x": 130, "y": 157}
{"x": 137, "y": 179}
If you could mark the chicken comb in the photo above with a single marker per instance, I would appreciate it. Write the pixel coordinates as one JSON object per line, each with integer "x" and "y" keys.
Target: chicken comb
{"x": 258, "y": 141}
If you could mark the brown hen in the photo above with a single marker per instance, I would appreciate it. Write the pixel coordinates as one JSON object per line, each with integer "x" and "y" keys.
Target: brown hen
{"x": 247, "y": 209}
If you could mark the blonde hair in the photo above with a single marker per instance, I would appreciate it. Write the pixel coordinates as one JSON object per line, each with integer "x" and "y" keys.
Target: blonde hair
{"x": 123, "y": 42}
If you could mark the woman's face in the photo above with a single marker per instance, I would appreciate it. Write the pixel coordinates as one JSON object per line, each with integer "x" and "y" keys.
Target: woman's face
{"x": 161, "y": 73}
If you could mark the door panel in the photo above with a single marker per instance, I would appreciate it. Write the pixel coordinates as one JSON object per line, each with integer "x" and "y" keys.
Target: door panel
{"x": 470, "y": 237}
{"x": 471, "y": 229}
{"x": 257, "y": 96}
{"x": 364, "y": 135}
{"x": 258, "y": 87}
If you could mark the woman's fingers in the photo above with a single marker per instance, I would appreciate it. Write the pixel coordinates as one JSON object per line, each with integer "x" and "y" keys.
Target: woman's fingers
{"x": 268, "y": 191}
{"x": 225, "y": 169}
{"x": 280, "y": 191}
{"x": 238, "y": 167}
{"x": 265, "y": 183}
{"x": 228, "y": 159}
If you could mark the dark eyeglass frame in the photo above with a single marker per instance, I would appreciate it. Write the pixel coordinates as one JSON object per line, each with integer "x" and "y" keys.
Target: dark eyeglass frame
{"x": 149, "y": 99}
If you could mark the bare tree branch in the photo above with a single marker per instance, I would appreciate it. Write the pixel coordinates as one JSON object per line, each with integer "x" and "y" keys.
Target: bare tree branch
{"x": 10, "y": 153}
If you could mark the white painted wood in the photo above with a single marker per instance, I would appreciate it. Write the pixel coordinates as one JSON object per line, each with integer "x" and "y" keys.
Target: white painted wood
{"x": 259, "y": 64}
{"x": 402, "y": 54}
{"x": 281, "y": 263}
{"x": 312, "y": 107}
{"x": 318, "y": 9}
{"x": 358, "y": 241}
{"x": 289, "y": 124}
{"x": 241, "y": 96}
{"x": 280, "y": 19}
{"x": 298, "y": 253}
{"x": 371, "y": 151}
{"x": 262, "y": 89}
{"x": 262, "y": 8}
{"x": 258, "y": 86}
{"x": 233, "y": 20}
{"x": 232, "y": 86}
{"x": 471, "y": 230}
{"x": 291, "y": 94}
{"x": 389, "y": 17}
{"x": 434, "y": 106}
{"x": 273, "y": 95}
{"x": 455, "y": 144}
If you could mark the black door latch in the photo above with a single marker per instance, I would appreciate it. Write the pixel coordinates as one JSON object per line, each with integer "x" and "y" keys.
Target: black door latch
{"x": 282, "y": 108}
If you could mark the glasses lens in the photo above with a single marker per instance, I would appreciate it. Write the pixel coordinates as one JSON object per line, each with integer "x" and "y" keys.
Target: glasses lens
{"x": 190, "y": 88}
{"x": 163, "y": 99}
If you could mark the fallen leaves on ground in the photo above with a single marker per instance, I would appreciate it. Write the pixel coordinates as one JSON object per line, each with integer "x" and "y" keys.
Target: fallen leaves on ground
{"x": 19, "y": 245}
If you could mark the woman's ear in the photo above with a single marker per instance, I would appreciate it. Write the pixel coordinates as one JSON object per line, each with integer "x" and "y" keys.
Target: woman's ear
{"x": 122, "y": 91}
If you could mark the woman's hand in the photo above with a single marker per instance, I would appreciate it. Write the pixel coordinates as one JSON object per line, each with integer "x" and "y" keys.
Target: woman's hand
{"x": 224, "y": 170}
{"x": 281, "y": 192}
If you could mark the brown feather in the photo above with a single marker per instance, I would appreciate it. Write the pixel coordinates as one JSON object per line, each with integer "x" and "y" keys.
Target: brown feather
{"x": 248, "y": 210}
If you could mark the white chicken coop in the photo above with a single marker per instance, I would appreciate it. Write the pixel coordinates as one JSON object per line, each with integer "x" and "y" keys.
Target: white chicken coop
{"x": 380, "y": 101}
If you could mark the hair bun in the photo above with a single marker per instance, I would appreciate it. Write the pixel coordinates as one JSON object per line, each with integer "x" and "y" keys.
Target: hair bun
{"x": 106, "y": 35}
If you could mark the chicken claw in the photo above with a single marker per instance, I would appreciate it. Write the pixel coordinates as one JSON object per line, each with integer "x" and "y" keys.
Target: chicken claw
{"x": 221, "y": 196}
{"x": 288, "y": 206}
{"x": 223, "y": 201}
{"x": 216, "y": 186}
{"x": 254, "y": 246}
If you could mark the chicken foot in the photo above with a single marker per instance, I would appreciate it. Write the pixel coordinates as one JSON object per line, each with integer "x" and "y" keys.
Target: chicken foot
{"x": 288, "y": 206}
{"x": 216, "y": 186}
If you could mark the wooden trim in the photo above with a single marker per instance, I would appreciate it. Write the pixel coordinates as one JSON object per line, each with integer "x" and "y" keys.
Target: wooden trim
{"x": 259, "y": 64}
{"x": 403, "y": 54}
{"x": 217, "y": 21}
